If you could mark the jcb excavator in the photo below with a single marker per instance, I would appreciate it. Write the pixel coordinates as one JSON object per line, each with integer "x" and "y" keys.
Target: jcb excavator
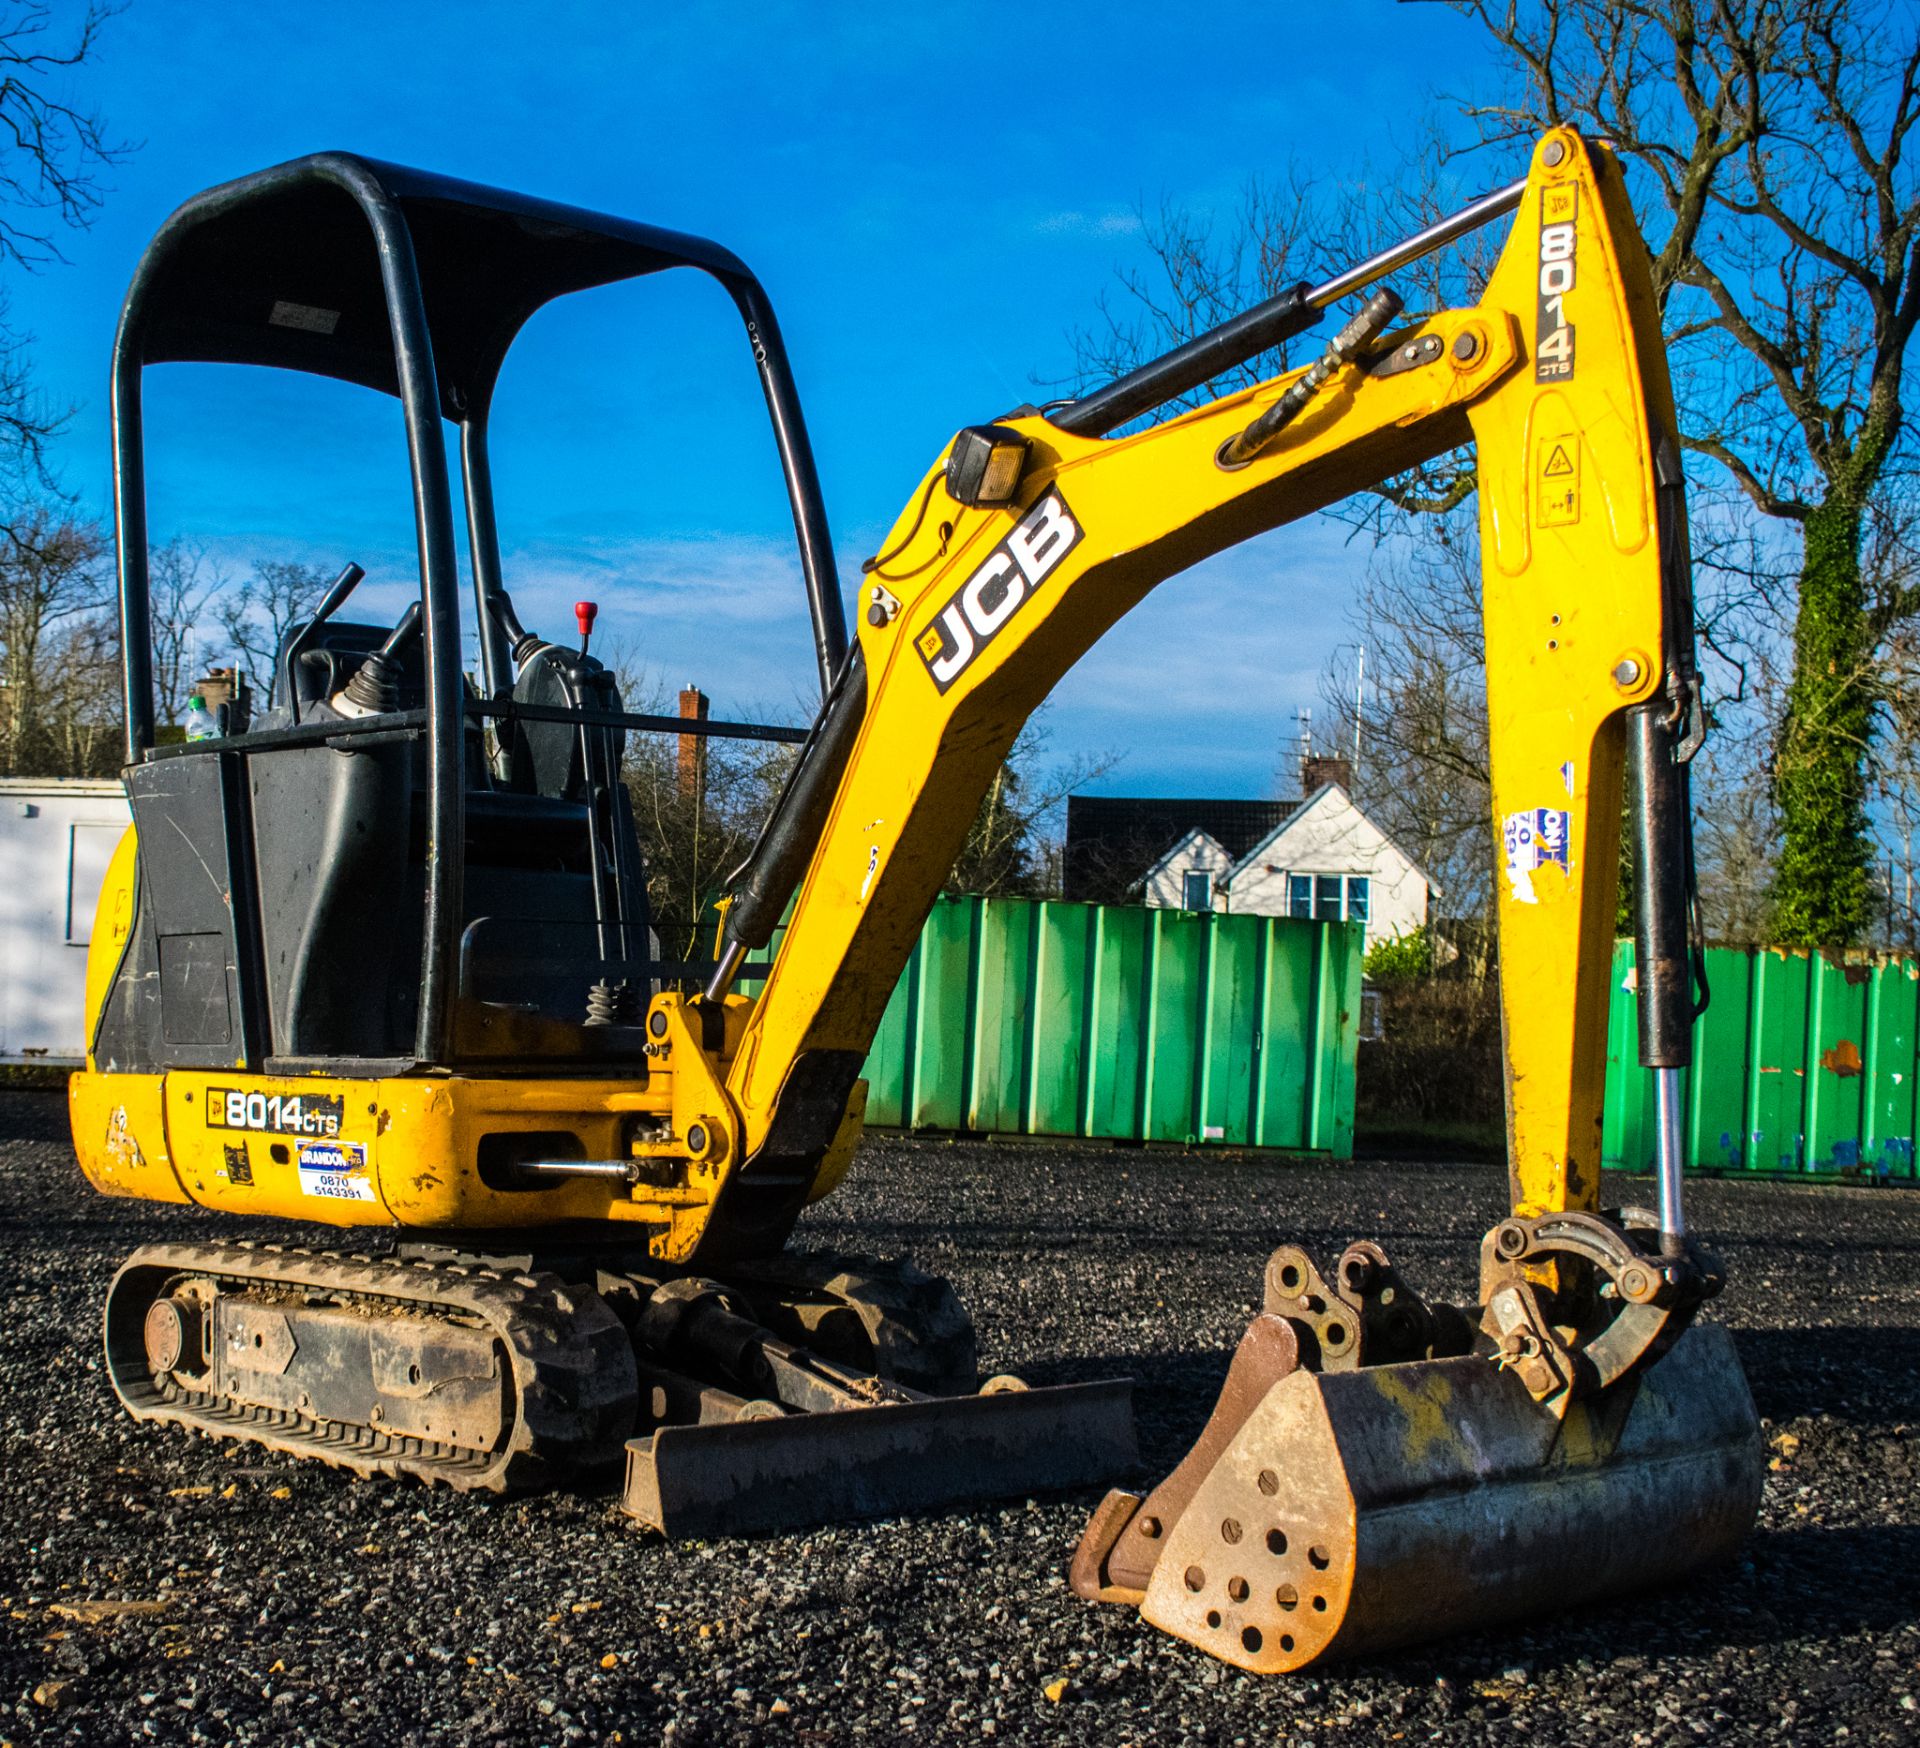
{"x": 378, "y": 956}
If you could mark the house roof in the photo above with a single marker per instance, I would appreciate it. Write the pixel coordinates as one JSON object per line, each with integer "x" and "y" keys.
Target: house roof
{"x": 1113, "y": 840}
{"x": 1257, "y": 848}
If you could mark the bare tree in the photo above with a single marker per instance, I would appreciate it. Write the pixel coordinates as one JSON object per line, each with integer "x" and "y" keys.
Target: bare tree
{"x": 693, "y": 835}
{"x": 79, "y": 727}
{"x": 52, "y": 155}
{"x": 1421, "y": 773}
{"x": 1201, "y": 272}
{"x": 50, "y": 577}
{"x": 258, "y": 615}
{"x": 1016, "y": 844}
{"x": 1772, "y": 135}
{"x": 183, "y": 583}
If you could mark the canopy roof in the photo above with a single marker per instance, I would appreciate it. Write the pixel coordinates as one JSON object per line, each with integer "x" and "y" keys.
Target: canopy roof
{"x": 284, "y": 268}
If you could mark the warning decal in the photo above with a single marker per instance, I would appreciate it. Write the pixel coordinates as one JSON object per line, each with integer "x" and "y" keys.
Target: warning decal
{"x": 1557, "y": 481}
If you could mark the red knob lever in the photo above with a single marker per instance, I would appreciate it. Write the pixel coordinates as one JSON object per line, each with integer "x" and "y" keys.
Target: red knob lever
{"x": 584, "y": 612}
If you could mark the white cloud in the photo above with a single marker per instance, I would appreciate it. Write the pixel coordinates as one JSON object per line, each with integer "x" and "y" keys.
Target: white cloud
{"x": 1110, "y": 221}
{"x": 1196, "y": 690}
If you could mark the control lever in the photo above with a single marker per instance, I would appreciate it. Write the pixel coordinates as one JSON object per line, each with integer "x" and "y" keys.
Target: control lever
{"x": 374, "y": 687}
{"x": 342, "y": 586}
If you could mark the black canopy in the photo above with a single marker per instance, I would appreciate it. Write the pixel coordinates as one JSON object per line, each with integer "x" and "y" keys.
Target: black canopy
{"x": 414, "y": 284}
{"x": 283, "y": 268}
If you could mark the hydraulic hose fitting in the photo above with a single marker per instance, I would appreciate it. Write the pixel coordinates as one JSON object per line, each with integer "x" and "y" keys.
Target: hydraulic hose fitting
{"x": 1361, "y": 331}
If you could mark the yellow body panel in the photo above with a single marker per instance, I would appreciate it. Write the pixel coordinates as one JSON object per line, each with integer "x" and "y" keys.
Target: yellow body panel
{"x": 112, "y": 924}
{"x": 1559, "y": 376}
{"x": 408, "y": 1148}
{"x": 120, "y": 1134}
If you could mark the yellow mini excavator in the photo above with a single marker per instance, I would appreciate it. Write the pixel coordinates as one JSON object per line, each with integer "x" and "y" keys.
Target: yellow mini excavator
{"x": 378, "y": 955}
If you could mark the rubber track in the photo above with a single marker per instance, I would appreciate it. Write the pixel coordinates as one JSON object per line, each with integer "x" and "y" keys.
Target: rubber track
{"x": 574, "y": 1387}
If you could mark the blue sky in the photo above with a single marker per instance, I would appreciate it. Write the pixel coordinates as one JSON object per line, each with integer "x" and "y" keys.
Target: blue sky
{"x": 933, "y": 209}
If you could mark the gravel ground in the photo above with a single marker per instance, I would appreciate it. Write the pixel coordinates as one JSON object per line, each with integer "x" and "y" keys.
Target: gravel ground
{"x": 276, "y": 1603}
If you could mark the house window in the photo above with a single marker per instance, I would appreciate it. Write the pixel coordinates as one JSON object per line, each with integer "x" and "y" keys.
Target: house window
{"x": 1196, "y": 891}
{"x": 1300, "y": 895}
{"x": 1326, "y": 897}
{"x": 1359, "y": 896}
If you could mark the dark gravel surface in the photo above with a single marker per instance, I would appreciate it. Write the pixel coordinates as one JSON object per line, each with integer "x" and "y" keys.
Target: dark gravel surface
{"x": 277, "y": 1603}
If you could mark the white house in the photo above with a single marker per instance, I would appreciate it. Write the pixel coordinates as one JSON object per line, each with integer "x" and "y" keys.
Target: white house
{"x": 1189, "y": 875}
{"x": 1324, "y": 859}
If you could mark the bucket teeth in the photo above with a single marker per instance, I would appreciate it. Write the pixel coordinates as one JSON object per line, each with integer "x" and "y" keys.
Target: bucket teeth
{"x": 1121, "y": 1546}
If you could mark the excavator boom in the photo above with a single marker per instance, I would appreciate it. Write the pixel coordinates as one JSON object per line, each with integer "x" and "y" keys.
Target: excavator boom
{"x": 1558, "y": 378}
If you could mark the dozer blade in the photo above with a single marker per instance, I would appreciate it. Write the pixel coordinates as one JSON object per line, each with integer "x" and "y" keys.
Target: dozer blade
{"x": 1357, "y": 1510}
{"x": 758, "y": 1476}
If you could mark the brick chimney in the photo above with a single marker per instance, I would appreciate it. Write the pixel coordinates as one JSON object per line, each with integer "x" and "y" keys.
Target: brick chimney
{"x": 1319, "y": 768}
{"x": 693, "y": 747}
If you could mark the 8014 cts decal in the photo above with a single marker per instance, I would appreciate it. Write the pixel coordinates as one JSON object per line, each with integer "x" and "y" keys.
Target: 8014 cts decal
{"x": 276, "y": 1113}
{"x": 1559, "y": 267}
{"x": 1003, "y": 583}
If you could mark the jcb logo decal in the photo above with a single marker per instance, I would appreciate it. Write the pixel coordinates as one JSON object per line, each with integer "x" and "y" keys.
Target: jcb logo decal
{"x": 996, "y": 591}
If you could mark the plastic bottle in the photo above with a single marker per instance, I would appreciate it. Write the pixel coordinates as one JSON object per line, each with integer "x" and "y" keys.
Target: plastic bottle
{"x": 200, "y": 723}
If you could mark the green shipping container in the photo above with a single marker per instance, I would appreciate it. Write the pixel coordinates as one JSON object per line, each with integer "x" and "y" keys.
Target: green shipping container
{"x": 1021, "y": 1017}
{"x": 1802, "y": 1065}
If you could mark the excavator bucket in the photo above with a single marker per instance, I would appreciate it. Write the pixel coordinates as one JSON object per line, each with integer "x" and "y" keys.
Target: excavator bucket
{"x": 1333, "y": 1513}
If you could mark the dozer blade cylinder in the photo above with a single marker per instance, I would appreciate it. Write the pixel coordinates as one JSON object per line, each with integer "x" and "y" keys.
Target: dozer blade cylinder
{"x": 1364, "y": 1509}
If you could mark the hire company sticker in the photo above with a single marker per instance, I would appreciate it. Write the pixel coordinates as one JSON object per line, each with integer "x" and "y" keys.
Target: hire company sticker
{"x": 335, "y": 1171}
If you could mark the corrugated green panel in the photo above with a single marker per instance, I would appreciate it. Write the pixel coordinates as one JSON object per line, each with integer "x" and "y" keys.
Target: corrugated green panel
{"x": 886, "y": 1068}
{"x": 1887, "y": 1084}
{"x": 1717, "y": 1103}
{"x": 1115, "y": 1022}
{"x": 1337, "y": 1048}
{"x": 1227, "y": 1061}
{"x": 1019, "y": 1017}
{"x": 1176, "y": 994}
{"x": 1061, "y": 990}
{"x": 1776, "y": 1063}
{"x": 1003, "y": 971}
{"x": 1619, "y": 1117}
{"x": 1800, "y": 1065}
{"x": 1285, "y": 1015}
{"x": 1836, "y": 1030}
{"x": 943, "y": 1015}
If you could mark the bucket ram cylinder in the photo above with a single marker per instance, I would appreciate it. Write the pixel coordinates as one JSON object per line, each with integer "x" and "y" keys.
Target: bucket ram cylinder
{"x": 1662, "y": 939}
